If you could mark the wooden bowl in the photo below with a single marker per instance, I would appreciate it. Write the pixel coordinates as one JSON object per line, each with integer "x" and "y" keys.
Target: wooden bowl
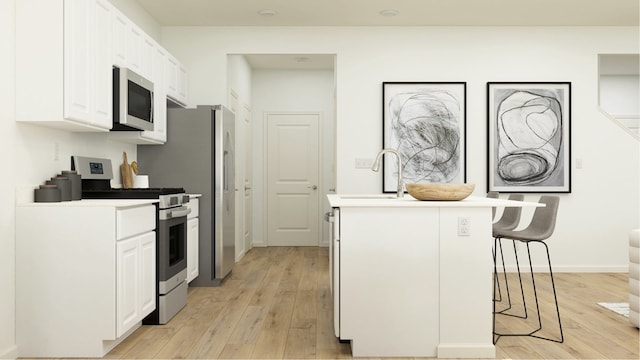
{"x": 440, "y": 191}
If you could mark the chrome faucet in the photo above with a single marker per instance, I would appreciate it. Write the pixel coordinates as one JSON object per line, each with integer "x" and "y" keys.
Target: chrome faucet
{"x": 376, "y": 167}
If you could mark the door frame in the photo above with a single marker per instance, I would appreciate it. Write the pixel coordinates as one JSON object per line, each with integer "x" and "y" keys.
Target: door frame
{"x": 321, "y": 186}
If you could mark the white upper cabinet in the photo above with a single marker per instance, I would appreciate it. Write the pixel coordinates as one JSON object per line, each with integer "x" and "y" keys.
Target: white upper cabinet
{"x": 65, "y": 53}
{"x": 103, "y": 95}
{"x": 77, "y": 60}
{"x": 62, "y": 78}
{"x": 176, "y": 77}
{"x": 120, "y": 33}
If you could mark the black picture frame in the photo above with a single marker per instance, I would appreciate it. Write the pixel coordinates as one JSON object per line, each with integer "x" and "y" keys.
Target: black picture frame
{"x": 529, "y": 137}
{"x": 426, "y": 123}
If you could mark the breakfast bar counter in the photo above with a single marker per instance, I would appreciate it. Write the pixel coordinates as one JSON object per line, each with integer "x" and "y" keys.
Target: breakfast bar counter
{"x": 413, "y": 278}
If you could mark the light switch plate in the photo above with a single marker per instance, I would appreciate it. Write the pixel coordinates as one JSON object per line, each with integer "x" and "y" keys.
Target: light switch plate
{"x": 364, "y": 163}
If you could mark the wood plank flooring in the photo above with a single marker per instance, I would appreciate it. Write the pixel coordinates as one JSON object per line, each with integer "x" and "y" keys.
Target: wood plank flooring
{"x": 277, "y": 305}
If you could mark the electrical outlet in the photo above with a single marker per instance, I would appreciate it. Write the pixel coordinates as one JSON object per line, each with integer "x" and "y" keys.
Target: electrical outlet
{"x": 464, "y": 226}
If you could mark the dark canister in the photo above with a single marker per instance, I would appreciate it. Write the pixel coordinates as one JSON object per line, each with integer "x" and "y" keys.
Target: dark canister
{"x": 64, "y": 185}
{"x": 76, "y": 183}
{"x": 47, "y": 193}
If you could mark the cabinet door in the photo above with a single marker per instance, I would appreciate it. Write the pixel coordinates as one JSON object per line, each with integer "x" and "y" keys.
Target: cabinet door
{"x": 193, "y": 226}
{"x": 103, "y": 81}
{"x": 147, "y": 53}
{"x": 171, "y": 77}
{"x": 182, "y": 84}
{"x": 128, "y": 284}
{"x": 148, "y": 273}
{"x": 159, "y": 133}
{"x": 134, "y": 47}
{"x": 120, "y": 33}
{"x": 77, "y": 60}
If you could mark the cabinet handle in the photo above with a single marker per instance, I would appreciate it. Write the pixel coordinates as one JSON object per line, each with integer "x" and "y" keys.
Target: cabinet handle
{"x": 313, "y": 187}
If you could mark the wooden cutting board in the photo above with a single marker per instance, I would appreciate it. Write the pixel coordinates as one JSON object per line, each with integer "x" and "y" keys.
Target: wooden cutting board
{"x": 125, "y": 172}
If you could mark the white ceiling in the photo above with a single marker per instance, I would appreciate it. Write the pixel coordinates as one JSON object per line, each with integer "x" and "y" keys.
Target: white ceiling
{"x": 410, "y": 12}
{"x": 368, "y": 13}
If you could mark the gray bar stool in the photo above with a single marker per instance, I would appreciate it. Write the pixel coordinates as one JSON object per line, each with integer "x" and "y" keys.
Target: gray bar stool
{"x": 541, "y": 228}
{"x": 509, "y": 220}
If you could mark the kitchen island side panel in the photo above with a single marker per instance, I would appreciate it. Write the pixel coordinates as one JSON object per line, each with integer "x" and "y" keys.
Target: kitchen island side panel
{"x": 65, "y": 280}
{"x": 466, "y": 276}
{"x": 389, "y": 280}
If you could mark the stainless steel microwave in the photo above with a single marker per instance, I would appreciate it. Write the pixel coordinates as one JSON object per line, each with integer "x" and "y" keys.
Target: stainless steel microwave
{"x": 132, "y": 101}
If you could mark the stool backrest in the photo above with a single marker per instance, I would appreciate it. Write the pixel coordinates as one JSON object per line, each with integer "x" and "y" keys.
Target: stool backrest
{"x": 511, "y": 215}
{"x": 543, "y": 222}
{"x": 493, "y": 195}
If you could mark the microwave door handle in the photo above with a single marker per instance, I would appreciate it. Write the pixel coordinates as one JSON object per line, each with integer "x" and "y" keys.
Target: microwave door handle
{"x": 151, "y": 110}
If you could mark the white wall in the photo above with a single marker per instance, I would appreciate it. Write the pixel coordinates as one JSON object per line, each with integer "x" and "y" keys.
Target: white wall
{"x": 291, "y": 90}
{"x": 140, "y": 16}
{"x": 620, "y": 94}
{"x": 594, "y": 219}
{"x": 239, "y": 83}
{"x": 7, "y": 212}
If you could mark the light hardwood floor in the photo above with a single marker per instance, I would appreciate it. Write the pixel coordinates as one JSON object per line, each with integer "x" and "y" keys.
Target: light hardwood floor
{"x": 277, "y": 304}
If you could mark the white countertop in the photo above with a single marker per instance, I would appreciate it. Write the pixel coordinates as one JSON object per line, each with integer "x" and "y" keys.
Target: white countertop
{"x": 390, "y": 200}
{"x": 119, "y": 203}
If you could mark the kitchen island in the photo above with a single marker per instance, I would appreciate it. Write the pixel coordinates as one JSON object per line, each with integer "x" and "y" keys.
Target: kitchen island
{"x": 413, "y": 278}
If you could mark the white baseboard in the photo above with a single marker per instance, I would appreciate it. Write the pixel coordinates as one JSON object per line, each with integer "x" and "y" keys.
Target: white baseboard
{"x": 462, "y": 351}
{"x": 322, "y": 244}
{"x": 9, "y": 353}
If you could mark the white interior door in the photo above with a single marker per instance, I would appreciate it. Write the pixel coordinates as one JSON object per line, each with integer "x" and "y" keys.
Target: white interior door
{"x": 292, "y": 179}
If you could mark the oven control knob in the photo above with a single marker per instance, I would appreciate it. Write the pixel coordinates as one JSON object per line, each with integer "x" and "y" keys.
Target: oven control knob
{"x": 185, "y": 199}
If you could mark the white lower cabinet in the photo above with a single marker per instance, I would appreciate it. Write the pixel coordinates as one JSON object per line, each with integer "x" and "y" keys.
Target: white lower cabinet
{"x": 193, "y": 226}
{"x": 193, "y": 238}
{"x": 135, "y": 264}
{"x": 85, "y": 275}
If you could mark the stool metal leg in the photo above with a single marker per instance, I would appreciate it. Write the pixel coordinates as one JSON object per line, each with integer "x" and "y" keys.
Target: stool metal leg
{"x": 535, "y": 293}
{"x": 504, "y": 270}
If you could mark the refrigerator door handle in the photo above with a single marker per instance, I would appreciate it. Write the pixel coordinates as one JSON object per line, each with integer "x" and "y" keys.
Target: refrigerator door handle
{"x": 225, "y": 172}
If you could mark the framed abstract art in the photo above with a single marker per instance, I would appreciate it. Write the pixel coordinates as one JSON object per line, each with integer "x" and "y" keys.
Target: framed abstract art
{"x": 426, "y": 123}
{"x": 529, "y": 137}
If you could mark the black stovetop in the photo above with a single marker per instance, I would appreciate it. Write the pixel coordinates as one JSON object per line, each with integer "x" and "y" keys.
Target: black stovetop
{"x": 136, "y": 193}
{"x": 101, "y": 189}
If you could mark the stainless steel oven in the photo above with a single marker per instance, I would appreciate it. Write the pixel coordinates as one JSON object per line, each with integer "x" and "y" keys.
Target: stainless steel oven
{"x": 172, "y": 259}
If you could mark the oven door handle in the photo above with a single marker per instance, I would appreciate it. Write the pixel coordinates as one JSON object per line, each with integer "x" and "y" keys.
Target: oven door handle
{"x": 179, "y": 213}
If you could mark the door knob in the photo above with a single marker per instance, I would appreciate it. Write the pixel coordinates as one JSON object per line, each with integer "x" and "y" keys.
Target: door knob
{"x": 313, "y": 187}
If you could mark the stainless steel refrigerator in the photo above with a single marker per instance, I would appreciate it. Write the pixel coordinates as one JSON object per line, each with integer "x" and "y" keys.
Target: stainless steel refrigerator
{"x": 199, "y": 156}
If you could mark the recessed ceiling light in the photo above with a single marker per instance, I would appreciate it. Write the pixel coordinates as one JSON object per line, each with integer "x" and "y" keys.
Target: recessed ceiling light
{"x": 301, "y": 59}
{"x": 389, "y": 12}
{"x": 267, "y": 12}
